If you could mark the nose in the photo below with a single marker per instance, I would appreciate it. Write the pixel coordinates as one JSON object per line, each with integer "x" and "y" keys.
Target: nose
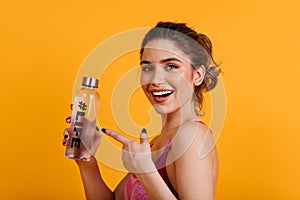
{"x": 158, "y": 76}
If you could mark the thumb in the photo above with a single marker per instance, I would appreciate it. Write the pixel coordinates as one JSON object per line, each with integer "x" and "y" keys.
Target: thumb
{"x": 143, "y": 136}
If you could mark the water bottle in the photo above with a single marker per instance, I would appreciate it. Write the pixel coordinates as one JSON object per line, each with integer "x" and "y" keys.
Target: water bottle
{"x": 83, "y": 122}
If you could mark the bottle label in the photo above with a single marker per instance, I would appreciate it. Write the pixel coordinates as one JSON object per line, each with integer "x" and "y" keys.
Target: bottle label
{"x": 75, "y": 142}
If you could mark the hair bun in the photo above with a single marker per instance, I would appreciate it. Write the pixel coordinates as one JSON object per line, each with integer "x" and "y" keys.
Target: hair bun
{"x": 205, "y": 42}
{"x": 212, "y": 70}
{"x": 211, "y": 78}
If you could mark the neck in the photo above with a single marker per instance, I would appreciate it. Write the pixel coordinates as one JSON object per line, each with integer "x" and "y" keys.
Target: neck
{"x": 172, "y": 121}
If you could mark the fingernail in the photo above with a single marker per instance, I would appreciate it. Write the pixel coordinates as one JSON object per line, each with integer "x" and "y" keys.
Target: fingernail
{"x": 71, "y": 106}
{"x": 66, "y": 136}
{"x": 144, "y": 131}
{"x": 97, "y": 128}
{"x": 68, "y": 119}
{"x": 64, "y": 143}
{"x": 103, "y": 130}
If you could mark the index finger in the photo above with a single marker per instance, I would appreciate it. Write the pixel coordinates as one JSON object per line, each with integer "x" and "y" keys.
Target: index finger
{"x": 116, "y": 136}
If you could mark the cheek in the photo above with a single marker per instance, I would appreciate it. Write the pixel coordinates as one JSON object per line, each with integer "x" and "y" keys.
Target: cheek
{"x": 145, "y": 79}
{"x": 145, "y": 90}
{"x": 182, "y": 83}
{"x": 144, "y": 83}
{"x": 184, "y": 88}
{"x": 144, "y": 87}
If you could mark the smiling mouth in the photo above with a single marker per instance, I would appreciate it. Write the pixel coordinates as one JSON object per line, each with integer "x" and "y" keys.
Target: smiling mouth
{"x": 161, "y": 94}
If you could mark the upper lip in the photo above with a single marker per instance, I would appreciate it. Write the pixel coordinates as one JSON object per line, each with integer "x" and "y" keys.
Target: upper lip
{"x": 160, "y": 90}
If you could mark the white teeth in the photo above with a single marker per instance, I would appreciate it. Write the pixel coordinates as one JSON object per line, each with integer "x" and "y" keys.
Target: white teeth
{"x": 162, "y": 93}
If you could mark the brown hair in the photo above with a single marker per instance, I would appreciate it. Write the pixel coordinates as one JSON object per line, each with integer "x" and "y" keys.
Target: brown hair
{"x": 184, "y": 37}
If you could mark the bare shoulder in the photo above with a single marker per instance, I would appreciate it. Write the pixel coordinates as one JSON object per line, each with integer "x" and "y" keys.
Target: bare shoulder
{"x": 195, "y": 138}
{"x": 196, "y": 158}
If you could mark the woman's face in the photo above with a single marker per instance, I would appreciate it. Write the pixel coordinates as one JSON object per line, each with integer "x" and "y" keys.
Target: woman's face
{"x": 167, "y": 76}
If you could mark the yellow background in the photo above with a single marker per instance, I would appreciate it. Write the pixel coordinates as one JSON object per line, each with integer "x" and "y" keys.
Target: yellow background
{"x": 43, "y": 44}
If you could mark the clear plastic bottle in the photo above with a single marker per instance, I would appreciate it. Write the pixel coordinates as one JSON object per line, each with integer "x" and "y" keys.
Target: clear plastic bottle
{"x": 83, "y": 122}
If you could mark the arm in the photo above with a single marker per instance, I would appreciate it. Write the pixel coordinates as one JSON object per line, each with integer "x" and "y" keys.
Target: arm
{"x": 94, "y": 186}
{"x": 196, "y": 175}
{"x": 119, "y": 191}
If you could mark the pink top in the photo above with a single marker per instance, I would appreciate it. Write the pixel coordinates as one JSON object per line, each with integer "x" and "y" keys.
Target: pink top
{"x": 134, "y": 189}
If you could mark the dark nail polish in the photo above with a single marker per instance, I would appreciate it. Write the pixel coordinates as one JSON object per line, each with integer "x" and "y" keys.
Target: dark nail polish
{"x": 66, "y": 136}
{"x": 103, "y": 130}
{"x": 68, "y": 118}
{"x": 71, "y": 106}
{"x": 97, "y": 128}
{"x": 64, "y": 143}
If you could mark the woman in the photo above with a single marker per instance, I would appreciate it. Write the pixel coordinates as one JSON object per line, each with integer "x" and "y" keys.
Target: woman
{"x": 177, "y": 68}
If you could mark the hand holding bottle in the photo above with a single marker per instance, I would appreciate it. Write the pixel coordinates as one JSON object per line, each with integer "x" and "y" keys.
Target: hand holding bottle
{"x": 95, "y": 142}
{"x": 83, "y": 121}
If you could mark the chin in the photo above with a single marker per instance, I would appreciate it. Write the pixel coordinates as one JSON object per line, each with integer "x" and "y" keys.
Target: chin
{"x": 163, "y": 110}
{"x": 159, "y": 110}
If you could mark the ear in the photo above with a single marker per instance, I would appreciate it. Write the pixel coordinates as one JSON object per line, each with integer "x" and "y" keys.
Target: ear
{"x": 198, "y": 75}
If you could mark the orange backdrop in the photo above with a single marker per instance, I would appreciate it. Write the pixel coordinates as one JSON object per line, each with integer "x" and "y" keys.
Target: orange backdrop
{"x": 43, "y": 44}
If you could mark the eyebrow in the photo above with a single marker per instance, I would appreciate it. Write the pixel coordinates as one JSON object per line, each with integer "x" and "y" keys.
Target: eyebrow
{"x": 162, "y": 61}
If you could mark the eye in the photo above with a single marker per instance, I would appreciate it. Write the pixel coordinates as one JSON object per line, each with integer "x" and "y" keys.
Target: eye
{"x": 147, "y": 68}
{"x": 171, "y": 67}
